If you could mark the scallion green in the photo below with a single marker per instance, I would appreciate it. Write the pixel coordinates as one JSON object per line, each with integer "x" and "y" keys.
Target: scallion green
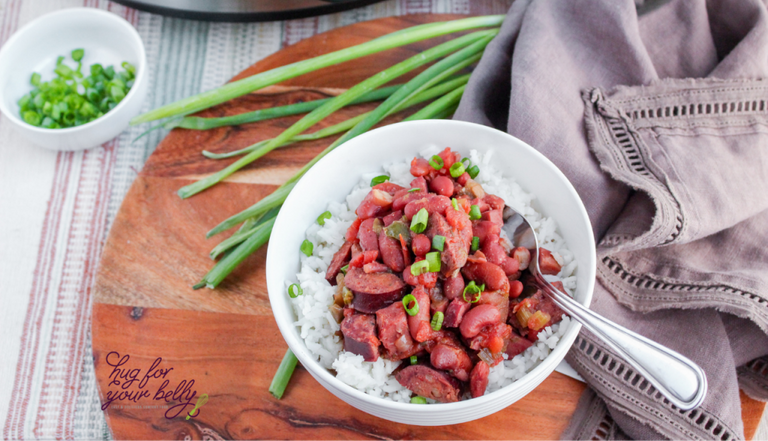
{"x": 436, "y": 162}
{"x": 438, "y": 242}
{"x": 379, "y": 179}
{"x": 307, "y": 248}
{"x": 411, "y": 310}
{"x": 321, "y": 219}
{"x": 419, "y": 221}
{"x": 457, "y": 169}
{"x": 294, "y": 291}
{"x": 283, "y": 374}
{"x": 437, "y": 321}
{"x": 475, "y": 243}
{"x": 434, "y": 261}
{"x": 419, "y": 268}
{"x": 474, "y": 212}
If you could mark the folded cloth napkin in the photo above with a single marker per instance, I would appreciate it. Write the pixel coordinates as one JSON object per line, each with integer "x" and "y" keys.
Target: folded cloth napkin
{"x": 658, "y": 115}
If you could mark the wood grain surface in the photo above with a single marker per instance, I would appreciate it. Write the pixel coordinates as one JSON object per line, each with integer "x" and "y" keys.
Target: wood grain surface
{"x": 226, "y": 341}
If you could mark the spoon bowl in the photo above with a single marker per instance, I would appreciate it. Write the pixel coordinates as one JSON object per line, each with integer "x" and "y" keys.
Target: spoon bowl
{"x": 679, "y": 379}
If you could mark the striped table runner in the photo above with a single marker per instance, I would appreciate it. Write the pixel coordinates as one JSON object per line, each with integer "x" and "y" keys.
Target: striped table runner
{"x": 56, "y": 208}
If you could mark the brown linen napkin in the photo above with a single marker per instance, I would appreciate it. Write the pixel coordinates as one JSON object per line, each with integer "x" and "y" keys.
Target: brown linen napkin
{"x": 658, "y": 115}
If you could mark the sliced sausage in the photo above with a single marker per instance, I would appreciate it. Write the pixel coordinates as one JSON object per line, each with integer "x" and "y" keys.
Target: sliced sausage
{"x": 373, "y": 291}
{"x": 375, "y": 267}
{"x": 393, "y": 332}
{"x": 454, "y": 314}
{"x": 339, "y": 259}
{"x": 477, "y": 318}
{"x": 391, "y": 253}
{"x": 419, "y": 324}
{"x": 429, "y": 383}
{"x": 478, "y": 379}
{"x": 359, "y": 332}
{"x": 453, "y": 359}
{"x": 517, "y": 345}
{"x": 455, "y": 251}
{"x": 547, "y": 262}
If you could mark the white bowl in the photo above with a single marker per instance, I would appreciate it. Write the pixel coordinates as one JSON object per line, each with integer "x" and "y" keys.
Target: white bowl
{"x": 333, "y": 177}
{"x": 106, "y": 38}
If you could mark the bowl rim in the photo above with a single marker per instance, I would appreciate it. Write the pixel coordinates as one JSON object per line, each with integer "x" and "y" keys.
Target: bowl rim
{"x": 29, "y": 27}
{"x": 315, "y": 369}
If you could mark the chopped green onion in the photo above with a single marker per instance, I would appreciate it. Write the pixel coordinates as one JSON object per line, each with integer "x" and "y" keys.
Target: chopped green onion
{"x": 467, "y": 162}
{"x": 283, "y": 374}
{"x": 472, "y": 289}
{"x": 474, "y": 212}
{"x": 473, "y": 171}
{"x": 418, "y": 400}
{"x": 77, "y": 54}
{"x": 295, "y": 291}
{"x": 419, "y": 268}
{"x": 438, "y": 242}
{"x": 437, "y": 321}
{"x": 457, "y": 169}
{"x": 59, "y": 60}
{"x": 434, "y": 261}
{"x": 307, "y": 248}
{"x": 35, "y": 79}
{"x": 436, "y": 162}
{"x": 344, "y": 269}
{"x": 414, "y": 359}
{"x": 321, "y": 219}
{"x": 455, "y": 204}
{"x": 130, "y": 68}
{"x": 407, "y": 300}
{"x": 379, "y": 179}
{"x": 475, "y": 243}
{"x": 413, "y": 190}
{"x": 419, "y": 221}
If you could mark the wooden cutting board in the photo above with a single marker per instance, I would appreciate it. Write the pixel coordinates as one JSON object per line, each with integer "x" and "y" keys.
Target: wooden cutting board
{"x": 225, "y": 343}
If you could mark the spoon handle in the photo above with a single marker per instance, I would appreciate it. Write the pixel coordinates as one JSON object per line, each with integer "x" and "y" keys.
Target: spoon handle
{"x": 679, "y": 379}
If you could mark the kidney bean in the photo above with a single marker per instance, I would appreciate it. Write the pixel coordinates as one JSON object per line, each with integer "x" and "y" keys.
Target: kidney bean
{"x": 485, "y": 272}
{"x": 478, "y": 379}
{"x": 477, "y": 318}
{"x": 442, "y": 185}
{"x": 421, "y": 244}
{"x": 369, "y": 240}
{"x": 515, "y": 289}
{"x": 454, "y": 286}
{"x": 452, "y": 359}
{"x": 390, "y": 252}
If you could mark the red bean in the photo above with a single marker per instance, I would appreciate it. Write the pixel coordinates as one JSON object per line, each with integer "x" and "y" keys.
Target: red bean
{"x": 442, "y": 185}
{"x": 478, "y": 379}
{"x": 421, "y": 244}
{"x": 462, "y": 180}
{"x": 477, "y": 318}
{"x": 515, "y": 289}
{"x": 453, "y": 359}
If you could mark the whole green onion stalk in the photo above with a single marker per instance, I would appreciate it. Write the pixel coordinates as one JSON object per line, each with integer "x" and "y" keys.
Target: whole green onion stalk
{"x": 383, "y": 77}
{"x": 274, "y": 200}
{"x": 261, "y": 80}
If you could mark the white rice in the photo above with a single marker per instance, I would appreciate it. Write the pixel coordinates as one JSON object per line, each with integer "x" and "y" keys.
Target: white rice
{"x": 318, "y": 328}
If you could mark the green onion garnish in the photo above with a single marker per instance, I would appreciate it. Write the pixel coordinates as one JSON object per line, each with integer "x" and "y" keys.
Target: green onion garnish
{"x": 321, "y": 219}
{"x": 379, "y": 179}
{"x": 344, "y": 269}
{"x": 407, "y": 300}
{"x": 455, "y": 204}
{"x": 467, "y": 163}
{"x": 35, "y": 79}
{"x": 472, "y": 289}
{"x": 283, "y": 374}
{"x": 438, "y": 242}
{"x": 457, "y": 169}
{"x": 473, "y": 171}
{"x": 419, "y": 268}
{"x": 295, "y": 291}
{"x": 77, "y": 54}
{"x": 419, "y": 221}
{"x": 414, "y": 189}
{"x": 418, "y": 400}
{"x": 475, "y": 243}
{"x": 414, "y": 359}
{"x": 434, "y": 261}
{"x": 307, "y": 247}
{"x": 437, "y": 321}
{"x": 474, "y": 212}
{"x": 436, "y": 162}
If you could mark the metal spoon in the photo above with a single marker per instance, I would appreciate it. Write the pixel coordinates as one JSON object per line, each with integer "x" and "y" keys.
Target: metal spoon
{"x": 679, "y": 379}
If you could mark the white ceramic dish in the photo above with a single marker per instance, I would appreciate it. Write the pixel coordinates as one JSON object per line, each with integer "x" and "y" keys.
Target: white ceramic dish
{"x": 106, "y": 38}
{"x": 333, "y": 177}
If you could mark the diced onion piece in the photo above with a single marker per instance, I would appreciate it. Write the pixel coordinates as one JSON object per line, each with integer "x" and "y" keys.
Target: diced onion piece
{"x": 337, "y": 312}
{"x": 486, "y": 355}
{"x": 475, "y": 188}
{"x": 381, "y": 198}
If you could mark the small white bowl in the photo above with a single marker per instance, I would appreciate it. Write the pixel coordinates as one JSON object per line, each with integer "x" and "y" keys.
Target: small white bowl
{"x": 333, "y": 177}
{"x": 107, "y": 40}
